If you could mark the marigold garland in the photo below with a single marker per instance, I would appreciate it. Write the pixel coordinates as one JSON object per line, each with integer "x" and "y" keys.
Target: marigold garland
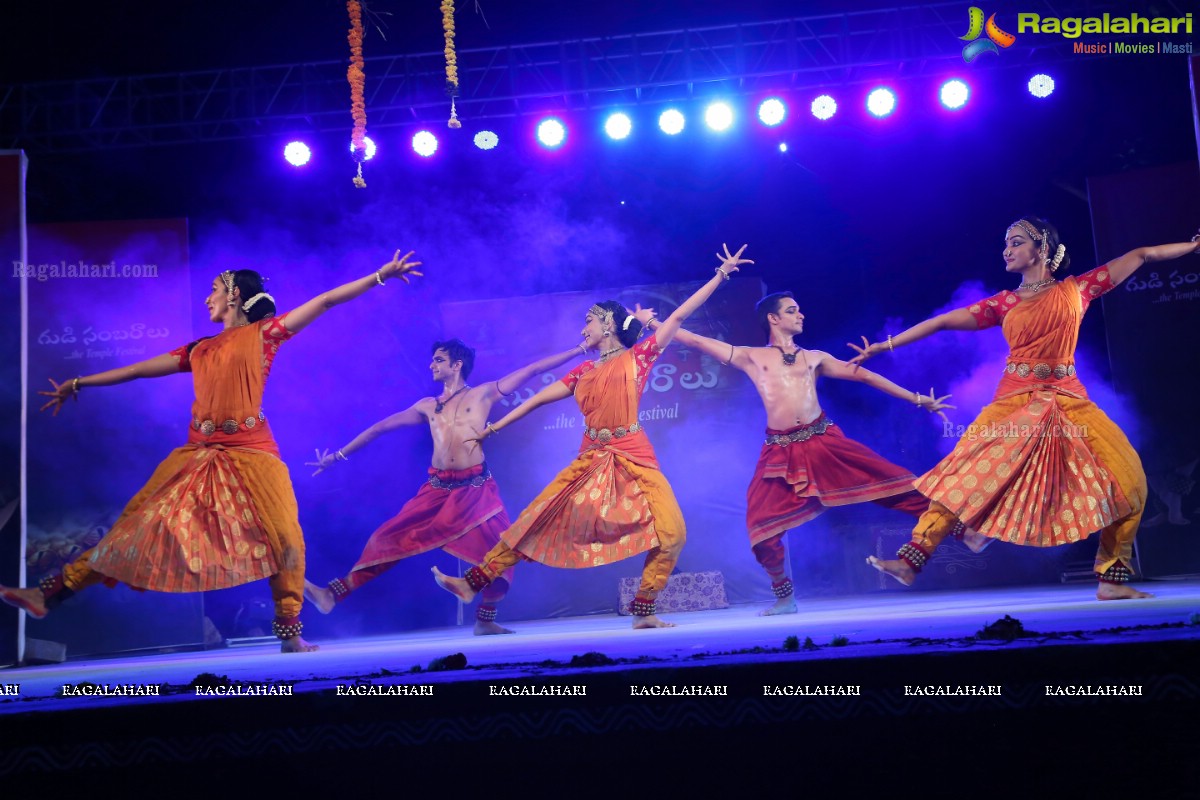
{"x": 451, "y": 60}
{"x": 357, "y": 78}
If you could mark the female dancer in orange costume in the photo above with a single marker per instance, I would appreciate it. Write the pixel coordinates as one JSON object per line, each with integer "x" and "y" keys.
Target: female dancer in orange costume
{"x": 612, "y": 502}
{"x": 219, "y": 511}
{"x": 1041, "y": 465}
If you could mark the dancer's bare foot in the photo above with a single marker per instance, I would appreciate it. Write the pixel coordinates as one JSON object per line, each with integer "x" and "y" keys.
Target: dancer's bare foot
{"x": 319, "y": 596}
{"x": 900, "y": 570}
{"x": 785, "y": 605}
{"x": 455, "y": 586}
{"x": 1119, "y": 591}
{"x": 31, "y": 601}
{"x": 489, "y": 628}
{"x": 296, "y": 644}
{"x": 651, "y": 621}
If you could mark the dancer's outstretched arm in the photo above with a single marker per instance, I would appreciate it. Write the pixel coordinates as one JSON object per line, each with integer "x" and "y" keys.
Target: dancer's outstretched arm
{"x": 299, "y": 318}
{"x": 1123, "y": 266}
{"x": 960, "y": 319}
{"x": 831, "y": 367}
{"x": 549, "y": 394}
{"x": 514, "y": 380}
{"x": 156, "y": 367}
{"x": 726, "y": 353}
{"x": 409, "y": 416}
{"x": 730, "y": 262}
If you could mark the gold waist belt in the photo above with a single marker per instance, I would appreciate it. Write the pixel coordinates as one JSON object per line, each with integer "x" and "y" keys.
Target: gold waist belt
{"x": 230, "y": 426}
{"x": 606, "y": 435}
{"x": 1041, "y": 371}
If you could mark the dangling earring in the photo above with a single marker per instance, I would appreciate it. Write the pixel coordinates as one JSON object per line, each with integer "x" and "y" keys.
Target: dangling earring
{"x": 608, "y": 333}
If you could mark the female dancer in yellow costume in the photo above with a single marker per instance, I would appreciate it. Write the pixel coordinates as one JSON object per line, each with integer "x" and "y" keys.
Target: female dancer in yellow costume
{"x": 1042, "y": 465}
{"x": 612, "y": 502}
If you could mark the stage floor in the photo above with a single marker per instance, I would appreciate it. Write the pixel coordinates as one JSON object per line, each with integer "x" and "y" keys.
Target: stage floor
{"x": 874, "y": 626}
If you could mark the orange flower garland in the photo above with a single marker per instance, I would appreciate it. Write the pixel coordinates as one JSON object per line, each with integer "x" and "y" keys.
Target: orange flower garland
{"x": 357, "y": 78}
{"x": 451, "y": 60}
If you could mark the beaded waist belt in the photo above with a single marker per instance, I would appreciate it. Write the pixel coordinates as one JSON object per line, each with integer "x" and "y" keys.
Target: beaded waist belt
{"x": 802, "y": 435}
{"x": 230, "y": 426}
{"x": 1041, "y": 371}
{"x": 605, "y": 435}
{"x": 472, "y": 480}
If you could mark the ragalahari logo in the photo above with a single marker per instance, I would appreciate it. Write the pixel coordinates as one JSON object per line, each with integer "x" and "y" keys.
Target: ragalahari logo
{"x": 995, "y": 36}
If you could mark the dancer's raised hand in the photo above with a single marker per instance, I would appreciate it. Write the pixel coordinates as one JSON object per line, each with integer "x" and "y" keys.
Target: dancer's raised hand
{"x": 731, "y": 261}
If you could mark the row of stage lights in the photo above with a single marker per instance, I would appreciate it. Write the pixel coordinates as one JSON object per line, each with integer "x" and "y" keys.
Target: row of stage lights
{"x": 719, "y": 116}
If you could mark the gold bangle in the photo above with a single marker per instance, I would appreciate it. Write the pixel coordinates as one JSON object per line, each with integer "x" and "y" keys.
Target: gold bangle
{"x": 75, "y": 386}
{"x": 488, "y": 425}
{"x": 891, "y": 347}
{"x": 917, "y": 399}
{"x": 724, "y": 274}
{"x": 379, "y": 277}
{"x": 340, "y": 456}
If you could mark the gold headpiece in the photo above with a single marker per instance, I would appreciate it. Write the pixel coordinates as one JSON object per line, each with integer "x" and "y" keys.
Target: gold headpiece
{"x": 1032, "y": 233}
{"x": 603, "y": 314}
{"x": 227, "y": 279}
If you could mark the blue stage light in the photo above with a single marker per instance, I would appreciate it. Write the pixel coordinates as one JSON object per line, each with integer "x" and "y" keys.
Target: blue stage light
{"x": 824, "y": 107}
{"x": 551, "y": 132}
{"x": 297, "y": 154}
{"x": 425, "y": 143}
{"x": 618, "y": 126}
{"x": 718, "y": 116}
{"x": 954, "y": 94}
{"x": 671, "y": 121}
{"x": 1041, "y": 85}
{"x": 881, "y": 102}
{"x": 370, "y": 146}
{"x": 772, "y": 111}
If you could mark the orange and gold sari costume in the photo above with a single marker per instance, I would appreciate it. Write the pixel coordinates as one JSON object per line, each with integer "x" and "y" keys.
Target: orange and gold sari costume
{"x": 1041, "y": 465}
{"x": 219, "y": 511}
{"x": 612, "y": 502}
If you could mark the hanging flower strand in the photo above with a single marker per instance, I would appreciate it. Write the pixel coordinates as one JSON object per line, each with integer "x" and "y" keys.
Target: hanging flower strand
{"x": 357, "y": 78}
{"x": 451, "y": 60}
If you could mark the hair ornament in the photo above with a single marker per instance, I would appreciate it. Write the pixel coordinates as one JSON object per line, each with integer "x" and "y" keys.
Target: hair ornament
{"x": 246, "y": 306}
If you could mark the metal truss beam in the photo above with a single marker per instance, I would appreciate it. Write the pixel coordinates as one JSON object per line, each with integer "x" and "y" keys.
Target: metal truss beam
{"x": 829, "y": 50}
